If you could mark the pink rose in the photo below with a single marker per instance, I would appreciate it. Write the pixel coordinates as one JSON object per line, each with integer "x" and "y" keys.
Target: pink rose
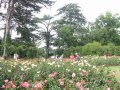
{"x": 78, "y": 85}
{"x": 13, "y": 86}
{"x": 38, "y": 85}
{"x": 3, "y": 86}
{"x": 52, "y": 75}
{"x": 71, "y": 81}
{"x": 82, "y": 81}
{"x": 24, "y": 84}
{"x": 81, "y": 88}
{"x": 11, "y": 83}
{"x": 45, "y": 81}
{"x": 36, "y": 82}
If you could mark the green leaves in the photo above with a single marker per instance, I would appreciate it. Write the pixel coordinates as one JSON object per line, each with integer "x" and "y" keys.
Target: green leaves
{"x": 71, "y": 22}
{"x": 46, "y": 31}
{"x": 106, "y": 29}
{"x": 71, "y": 14}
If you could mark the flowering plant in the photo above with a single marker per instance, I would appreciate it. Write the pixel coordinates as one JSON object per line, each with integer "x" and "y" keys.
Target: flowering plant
{"x": 55, "y": 75}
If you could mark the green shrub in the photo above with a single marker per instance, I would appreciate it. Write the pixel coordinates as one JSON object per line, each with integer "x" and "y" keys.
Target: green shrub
{"x": 11, "y": 50}
{"x": 22, "y": 51}
{"x": 32, "y": 52}
{"x": 117, "y": 50}
{"x": 107, "y": 62}
{"x": 94, "y": 48}
{"x": 91, "y": 48}
{"x": 70, "y": 50}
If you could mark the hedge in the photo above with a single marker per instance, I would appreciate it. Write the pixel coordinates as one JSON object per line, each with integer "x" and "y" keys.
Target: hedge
{"x": 22, "y": 50}
{"x": 94, "y": 48}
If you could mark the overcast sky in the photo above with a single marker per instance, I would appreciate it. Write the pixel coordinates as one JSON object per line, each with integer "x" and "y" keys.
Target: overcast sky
{"x": 91, "y": 9}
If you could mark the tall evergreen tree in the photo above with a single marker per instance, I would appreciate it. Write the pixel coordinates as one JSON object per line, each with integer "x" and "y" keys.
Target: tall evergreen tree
{"x": 72, "y": 21}
{"x": 19, "y": 13}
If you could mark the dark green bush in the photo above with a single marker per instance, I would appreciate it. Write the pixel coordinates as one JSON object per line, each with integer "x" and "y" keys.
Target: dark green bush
{"x": 32, "y": 52}
{"x": 23, "y": 51}
{"x": 11, "y": 50}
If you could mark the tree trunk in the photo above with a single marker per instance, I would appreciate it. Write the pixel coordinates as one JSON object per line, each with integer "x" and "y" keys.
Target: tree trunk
{"x": 47, "y": 49}
{"x": 7, "y": 29}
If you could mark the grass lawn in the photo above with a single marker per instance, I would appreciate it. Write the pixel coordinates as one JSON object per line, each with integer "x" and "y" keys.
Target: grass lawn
{"x": 116, "y": 70}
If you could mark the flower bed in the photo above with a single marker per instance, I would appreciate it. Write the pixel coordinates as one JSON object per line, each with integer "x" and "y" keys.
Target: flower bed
{"x": 55, "y": 75}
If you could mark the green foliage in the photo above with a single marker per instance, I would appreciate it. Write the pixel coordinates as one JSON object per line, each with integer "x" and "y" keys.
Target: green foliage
{"x": 23, "y": 51}
{"x": 45, "y": 32}
{"x": 11, "y": 50}
{"x": 69, "y": 25}
{"x": 67, "y": 36}
{"x": 28, "y": 52}
{"x": 107, "y": 62}
{"x": 106, "y": 29}
{"x": 59, "y": 52}
{"x": 117, "y": 50}
{"x": 32, "y": 52}
{"x": 94, "y": 48}
{"x": 19, "y": 16}
{"x": 108, "y": 21}
{"x": 71, "y": 15}
{"x": 91, "y": 48}
{"x": 26, "y": 34}
{"x": 70, "y": 50}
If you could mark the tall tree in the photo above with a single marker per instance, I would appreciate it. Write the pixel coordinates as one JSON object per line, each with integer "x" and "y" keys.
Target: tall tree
{"x": 8, "y": 21}
{"x": 20, "y": 19}
{"x": 72, "y": 16}
{"x": 72, "y": 21}
{"x": 46, "y": 31}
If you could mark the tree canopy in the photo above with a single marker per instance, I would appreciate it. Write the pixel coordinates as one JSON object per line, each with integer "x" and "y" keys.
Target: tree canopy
{"x": 106, "y": 29}
{"x": 71, "y": 29}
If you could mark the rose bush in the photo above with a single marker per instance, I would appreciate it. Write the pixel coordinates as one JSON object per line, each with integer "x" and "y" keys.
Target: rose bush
{"x": 55, "y": 75}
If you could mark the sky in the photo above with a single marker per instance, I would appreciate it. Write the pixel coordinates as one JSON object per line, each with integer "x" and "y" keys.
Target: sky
{"x": 91, "y": 9}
